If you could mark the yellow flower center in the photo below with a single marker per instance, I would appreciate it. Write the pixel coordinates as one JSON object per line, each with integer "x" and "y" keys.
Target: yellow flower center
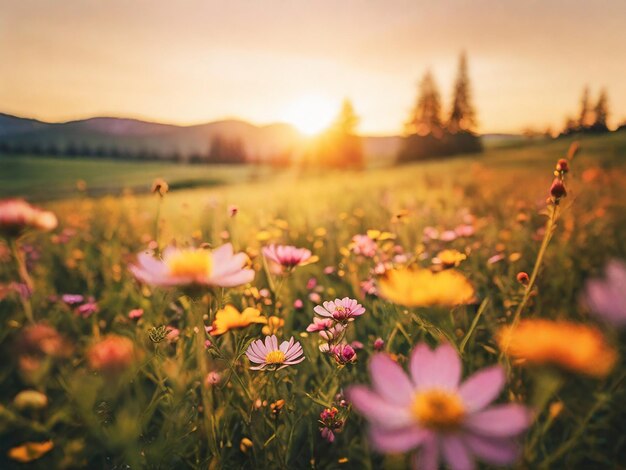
{"x": 190, "y": 263}
{"x": 275, "y": 357}
{"x": 438, "y": 409}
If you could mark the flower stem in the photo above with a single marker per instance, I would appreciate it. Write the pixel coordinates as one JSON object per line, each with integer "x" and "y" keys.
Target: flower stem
{"x": 25, "y": 278}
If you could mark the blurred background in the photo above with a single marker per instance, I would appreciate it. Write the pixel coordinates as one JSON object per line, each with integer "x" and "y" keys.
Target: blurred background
{"x": 108, "y": 95}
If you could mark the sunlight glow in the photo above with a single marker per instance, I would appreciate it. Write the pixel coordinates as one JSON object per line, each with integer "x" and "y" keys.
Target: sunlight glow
{"x": 311, "y": 113}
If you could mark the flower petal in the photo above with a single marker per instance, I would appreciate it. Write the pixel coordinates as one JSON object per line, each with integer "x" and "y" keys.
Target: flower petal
{"x": 390, "y": 381}
{"x": 482, "y": 388}
{"x": 500, "y": 421}
{"x": 455, "y": 453}
{"x": 378, "y": 410}
{"x": 440, "y": 368}
{"x": 428, "y": 457}
{"x": 492, "y": 451}
{"x": 397, "y": 440}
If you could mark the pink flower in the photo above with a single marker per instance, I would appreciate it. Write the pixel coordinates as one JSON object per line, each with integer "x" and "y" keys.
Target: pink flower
{"x": 465, "y": 230}
{"x": 135, "y": 314}
{"x": 16, "y": 215}
{"x": 607, "y": 297}
{"x": 72, "y": 299}
{"x": 298, "y": 304}
{"x": 379, "y": 344}
{"x": 343, "y": 353}
{"x": 364, "y": 245}
{"x": 212, "y": 378}
{"x": 232, "y": 210}
{"x": 181, "y": 267}
{"x": 432, "y": 410}
{"x": 287, "y": 256}
{"x": 332, "y": 333}
{"x": 270, "y": 355}
{"x": 448, "y": 236}
{"x": 112, "y": 354}
{"x": 319, "y": 324}
{"x": 342, "y": 310}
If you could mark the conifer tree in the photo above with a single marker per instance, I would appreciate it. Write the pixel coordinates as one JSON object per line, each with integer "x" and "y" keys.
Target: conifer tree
{"x": 462, "y": 114}
{"x": 426, "y": 116}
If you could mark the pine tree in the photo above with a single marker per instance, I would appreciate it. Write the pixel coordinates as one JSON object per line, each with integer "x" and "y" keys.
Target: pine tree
{"x": 426, "y": 116}
{"x": 462, "y": 114}
{"x": 584, "y": 116}
{"x": 601, "y": 112}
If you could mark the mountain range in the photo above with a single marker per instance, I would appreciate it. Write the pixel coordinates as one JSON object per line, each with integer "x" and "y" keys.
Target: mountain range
{"x": 123, "y": 136}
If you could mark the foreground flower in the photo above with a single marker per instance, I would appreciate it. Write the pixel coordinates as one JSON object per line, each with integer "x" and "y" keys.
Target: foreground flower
{"x": 607, "y": 297}
{"x": 180, "y": 267}
{"x": 288, "y": 256}
{"x": 16, "y": 215}
{"x": 423, "y": 288}
{"x": 30, "y": 451}
{"x": 433, "y": 411}
{"x": 229, "y": 318}
{"x": 341, "y": 310}
{"x": 269, "y": 355}
{"x": 572, "y": 346}
{"x": 111, "y": 355}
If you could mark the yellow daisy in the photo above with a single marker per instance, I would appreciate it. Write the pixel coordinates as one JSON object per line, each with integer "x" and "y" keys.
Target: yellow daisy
{"x": 229, "y": 318}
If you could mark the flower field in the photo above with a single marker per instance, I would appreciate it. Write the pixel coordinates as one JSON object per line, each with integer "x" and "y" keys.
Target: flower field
{"x": 453, "y": 314}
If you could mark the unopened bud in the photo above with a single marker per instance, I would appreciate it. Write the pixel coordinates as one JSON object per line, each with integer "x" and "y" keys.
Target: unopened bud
{"x": 245, "y": 444}
{"x": 562, "y": 165}
{"x": 522, "y": 277}
{"x": 557, "y": 190}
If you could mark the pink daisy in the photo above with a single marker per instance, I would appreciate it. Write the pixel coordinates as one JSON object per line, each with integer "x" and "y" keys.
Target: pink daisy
{"x": 432, "y": 410}
{"x": 180, "y": 267}
{"x": 607, "y": 297}
{"x": 320, "y": 324}
{"x": 287, "y": 256}
{"x": 270, "y": 355}
{"x": 342, "y": 310}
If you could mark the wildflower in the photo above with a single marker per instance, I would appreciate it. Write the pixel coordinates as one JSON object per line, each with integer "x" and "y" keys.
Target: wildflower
{"x": 423, "y": 288}
{"x": 332, "y": 333}
{"x": 315, "y": 297}
{"x": 379, "y": 344}
{"x": 135, "y": 314}
{"x": 43, "y": 340}
{"x": 343, "y": 353}
{"x": 607, "y": 297}
{"x": 363, "y": 245}
{"x": 496, "y": 258}
{"x": 575, "y": 347}
{"x": 180, "y": 267}
{"x": 72, "y": 299}
{"x": 172, "y": 334}
{"x": 368, "y": 287}
{"x": 30, "y": 399}
{"x": 229, "y": 318}
{"x": 30, "y": 451}
{"x": 298, "y": 304}
{"x": 449, "y": 258}
{"x": 111, "y": 354}
{"x": 245, "y": 444}
{"x": 331, "y": 423}
{"x": 433, "y": 411}
{"x": 160, "y": 187}
{"x": 448, "y": 236}
{"x": 562, "y": 166}
{"x": 88, "y": 308}
{"x": 341, "y": 310}
{"x": 522, "y": 277}
{"x": 557, "y": 190}
{"x": 311, "y": 284}
{"x": 274, "y": 324}
{"x": 465, "y": 230}
{"x": 320, "y": 324}
{"x": 212, "y": 378}
{"x": 288, "y": 256}
{"x": 232, "y": 210}
{"x": 277, "y": 406}
{"x": 269, "y": 355}
{"x": 16, "y": 216}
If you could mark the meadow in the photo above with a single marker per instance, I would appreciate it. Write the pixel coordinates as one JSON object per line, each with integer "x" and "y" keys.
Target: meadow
{"x": 107, "y": 367}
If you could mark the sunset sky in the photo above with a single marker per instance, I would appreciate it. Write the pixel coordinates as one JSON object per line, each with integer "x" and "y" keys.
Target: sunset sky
{"x": 189, "y": 62}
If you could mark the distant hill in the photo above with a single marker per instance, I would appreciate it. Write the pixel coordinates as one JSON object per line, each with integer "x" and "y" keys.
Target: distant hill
{"x": 136, "y": 139}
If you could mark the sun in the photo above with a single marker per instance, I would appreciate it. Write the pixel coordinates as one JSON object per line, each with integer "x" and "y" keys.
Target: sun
{"x": 310, "y": 113}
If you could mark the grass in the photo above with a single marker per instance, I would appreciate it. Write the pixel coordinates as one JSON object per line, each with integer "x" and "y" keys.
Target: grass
{"x": 153, "y": 413}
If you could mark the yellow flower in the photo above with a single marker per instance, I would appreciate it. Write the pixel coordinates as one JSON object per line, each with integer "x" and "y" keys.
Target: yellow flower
{"x": 273, "y": 325}
{"x": 30, "y": 451}
{"x": 572, "y": 346}
{"x": 423, "y": 288}
{"x": 229, "y": 318}
{"x": 451, "y": 257}
{"x": 380, "y": 236}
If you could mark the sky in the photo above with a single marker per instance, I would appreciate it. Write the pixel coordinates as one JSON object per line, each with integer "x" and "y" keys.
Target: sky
{"x": 193, "y": 61}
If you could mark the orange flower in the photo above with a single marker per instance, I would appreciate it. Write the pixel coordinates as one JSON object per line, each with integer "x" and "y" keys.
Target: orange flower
{"x": 30, "y": 451}
{"x": 423, "y": 288}
{"x": 229, "y": 318}
{"x": 112, "y": 354}
{"x": 572, "y": 346}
